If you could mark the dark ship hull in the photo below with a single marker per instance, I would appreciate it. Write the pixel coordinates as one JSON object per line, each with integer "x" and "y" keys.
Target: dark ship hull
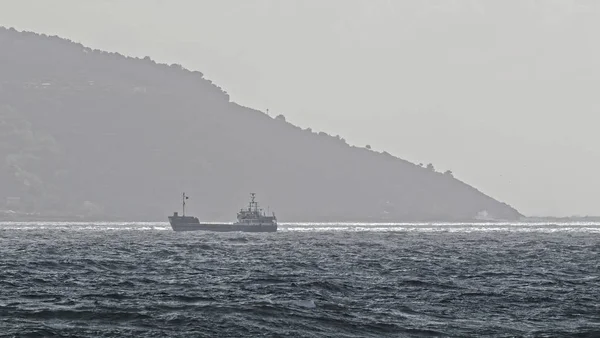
{"x": 185, "y": 224}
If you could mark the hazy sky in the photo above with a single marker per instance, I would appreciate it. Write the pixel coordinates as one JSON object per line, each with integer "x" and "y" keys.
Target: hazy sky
{"x": 504, "y": 93}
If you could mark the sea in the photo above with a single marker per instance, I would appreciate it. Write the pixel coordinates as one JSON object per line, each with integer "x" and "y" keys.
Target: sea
{"x": 307, "y": 280}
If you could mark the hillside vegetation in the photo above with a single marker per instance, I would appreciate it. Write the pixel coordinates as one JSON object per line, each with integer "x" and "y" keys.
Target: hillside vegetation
{"x": 86, "y": 132}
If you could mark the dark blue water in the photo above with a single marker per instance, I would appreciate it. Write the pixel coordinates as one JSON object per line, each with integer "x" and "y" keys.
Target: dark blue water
{"x": 444, "y": 280}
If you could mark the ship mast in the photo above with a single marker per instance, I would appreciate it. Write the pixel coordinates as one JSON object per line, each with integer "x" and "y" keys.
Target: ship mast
{"x": 252, "y": 203}
{"x": 184, "y": 197}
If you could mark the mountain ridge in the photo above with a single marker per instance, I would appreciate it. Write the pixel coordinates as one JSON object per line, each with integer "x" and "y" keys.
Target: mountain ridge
{"x": 100, "y": 134}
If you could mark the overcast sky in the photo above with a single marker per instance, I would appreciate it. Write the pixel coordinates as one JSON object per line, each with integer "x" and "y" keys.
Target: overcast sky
{"x": 504, "y": 93}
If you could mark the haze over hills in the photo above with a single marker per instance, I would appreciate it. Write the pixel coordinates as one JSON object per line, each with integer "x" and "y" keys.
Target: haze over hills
{"x": 87, "y": 132}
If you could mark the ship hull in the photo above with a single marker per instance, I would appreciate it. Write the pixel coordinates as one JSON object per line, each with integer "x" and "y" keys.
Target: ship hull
{"x": 222, "y": 227}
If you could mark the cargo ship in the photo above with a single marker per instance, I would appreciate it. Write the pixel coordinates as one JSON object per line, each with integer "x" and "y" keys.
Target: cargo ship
{"x": 250, "y": 219}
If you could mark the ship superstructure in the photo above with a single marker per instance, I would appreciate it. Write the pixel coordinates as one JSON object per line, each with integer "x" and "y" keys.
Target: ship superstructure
{"x": 253, "y": 215}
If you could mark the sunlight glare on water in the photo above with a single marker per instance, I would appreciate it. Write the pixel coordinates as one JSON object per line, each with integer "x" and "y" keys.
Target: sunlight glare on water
{"x": 543, "y": 227}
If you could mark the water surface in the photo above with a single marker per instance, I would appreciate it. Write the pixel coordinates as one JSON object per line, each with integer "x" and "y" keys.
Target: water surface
{"x": 307, "y": 280}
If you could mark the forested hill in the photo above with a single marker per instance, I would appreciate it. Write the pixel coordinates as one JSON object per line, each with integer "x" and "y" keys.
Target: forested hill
{"x": 97, "y": 134}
